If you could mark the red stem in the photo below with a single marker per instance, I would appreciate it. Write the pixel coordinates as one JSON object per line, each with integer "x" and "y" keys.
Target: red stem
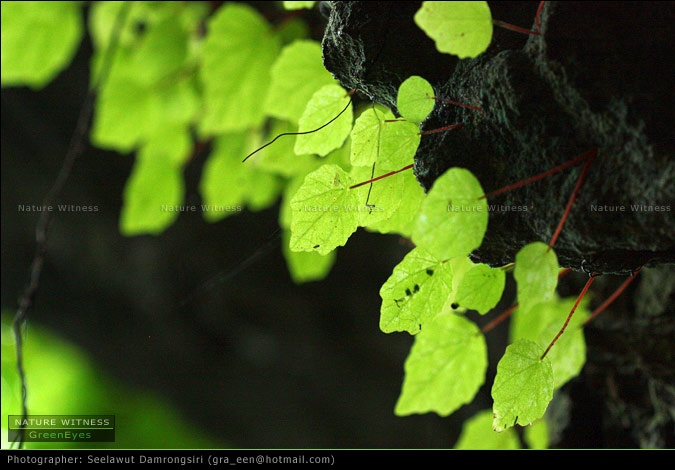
{"x": 442, "y": 129}
{"x": 515, "y": 28}
{"x": 582, "y": 176}
{"x": 569, "y": 317}
{"x": 457, "y": 103}
{"x": 537, "y": 18}
{"x": 612, "y": 297}
{"x": 503, "y": 316}
{"x": 372, "y": 180}
{"x": 576, "y": 160}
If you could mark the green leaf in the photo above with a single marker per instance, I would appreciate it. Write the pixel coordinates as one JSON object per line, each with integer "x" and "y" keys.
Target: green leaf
{"x": 392, "y": 144}
{"x": 379, "y": 200}
{"x": 452, "y": 221}
{"x": 568, "y": 354}
{"x": 292, "y": 30}
{"x": 296, "y": 75}
{"x": 227, "y": 184}
{"x": 263, "y": 190}
{"x": 238, "y": 53}
{"x": 402, "y": 220}
{"x": 280, "y": 158}
{"x": 463, "y": 29}
{"x": 537, "y": 435}
{"x": 153, "y": 195}
{"x": 306, "y": 266}
{"x": 325, "y": 105}
{"x": 225, "y": 181}
{"x": 285, "y": 211}
{"x": 460, "y": 266}
{"x": 415, "y": 99}
{"x": 338, "y": 157}
{"x": 536, "y": 273}
{"x": 477, "y": 434}
{"x": 398, "y": 145}
{"x": 324, "y": 213}
{"x": 157, "y": 55}
{"x": 366, "y": 135}
{"x": 531, "y": 322}
{"x": 543, "y": 321}
{"x": 415, "y": 292}
{"x": 445, "y": 368}
{"x": 481, "y": 288}
{"x": 128, "y": 114}
{"x": 121, "y": 116}
{"x": 523, "y": 386}
{"x": 150, "y": 89}
{"x": 161, "y": 52}
{"x": 289, "y": 5}
{"x": 39, "y": 40}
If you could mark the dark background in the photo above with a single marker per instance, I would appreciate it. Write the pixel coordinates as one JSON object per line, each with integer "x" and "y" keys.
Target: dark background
{"x": 255, "y": 360}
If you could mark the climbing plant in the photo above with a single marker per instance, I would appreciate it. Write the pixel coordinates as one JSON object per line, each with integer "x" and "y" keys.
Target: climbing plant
{"x": 281, "y": 128}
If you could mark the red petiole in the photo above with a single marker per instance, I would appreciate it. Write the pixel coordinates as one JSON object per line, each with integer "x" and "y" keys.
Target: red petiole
{"x": 515, "y": 28}
{"x": 552, "y": 171}
{"x": 582, "y": 176}
{"x": 612, "y": 297}
{"x": 518, "y": 29}
{"x": 457, "y": 103}
{"x": 503, "y": 316}
{"x": 569, "y": 317}
{"x": 381, "y": 176}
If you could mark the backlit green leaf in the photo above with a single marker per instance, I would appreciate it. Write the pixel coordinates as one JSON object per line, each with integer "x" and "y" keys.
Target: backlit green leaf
{"x": 366, "y": 135}
{"x": 128, "y": 113}
{"x": 306, "y": 266}
{"x": 122, "y": 116}
{"x": 238, "y": 53}
{"x": 463, "y": 29}
{"x": 536, "y": 273}
{"x": 324, "y": 211}
{"x": 150, "y": 89}
{"x": 226, "y": 181}
{"x": 523, "y": 386}
{"x": 415, "y": 292}
{"x": 39, "y": 40}
{"x": 542, "y": 322}
{"x": 568, "y": 354}
{"x": 154, "y": 193}
{"x": 263, "y": 190}
{"x": 325, "y": 106}
{"x": 537, "y": 435}
{"x": 530, "y": 322}
{"x": 477, "y": 434}
{"x": 377, "y": 136}
{"x": 285, "y": 211}
{"x": 453, "y": 220}
{"x": 378, "y": 200}
{"x": 296, "y": 75}
{"x": 415, "y": 99}
{"x": 280, "y": 158}
{"x": 298, "y": 5}
{"x": 161, "y": 52}
{"x": 445, "y": 368}
{"x": 481, "y": 288}
{"x": 402, "y": 220}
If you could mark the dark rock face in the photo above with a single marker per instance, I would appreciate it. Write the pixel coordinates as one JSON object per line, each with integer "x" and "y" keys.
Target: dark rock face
{"x": 599, "y": 76}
